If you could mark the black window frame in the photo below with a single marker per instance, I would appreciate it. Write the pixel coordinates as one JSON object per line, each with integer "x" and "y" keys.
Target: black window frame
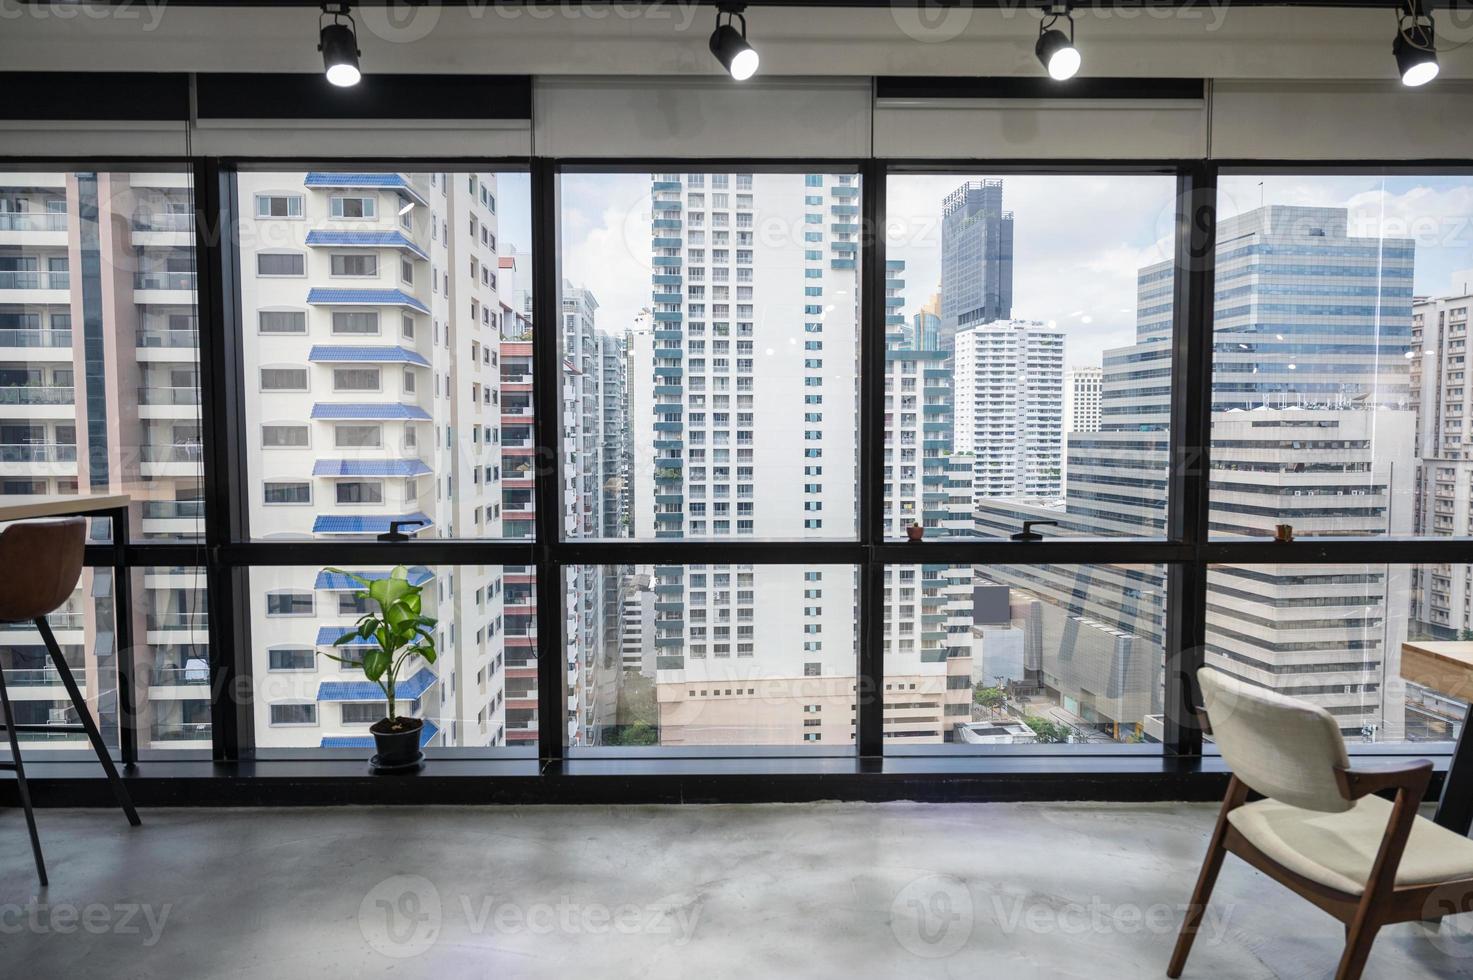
{"x": 1177, "y": 769}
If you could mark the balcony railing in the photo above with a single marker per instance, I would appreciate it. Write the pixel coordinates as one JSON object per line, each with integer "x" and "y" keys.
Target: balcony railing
{"x": 180, "y": 731}
{"x": 38, "y": 452}
{"x": 56, "y": 620}
{"x": 36, "y": 395}
{"x": 183, "y": 221}
{"x": 168, "y": 396}
{"x": 26, "y": 279}
{"x": 164, "y": 280}
{"x": 172, "y": 510}
{"x": 167, "y": 338}
{"x": 32, "y": 221}
{"x": 180, "y": 453}
{"x": 181, "y": 676}
{"x": 40, "y": 677}
{"x": 178, "y": 621}
{"x": 35, "y": 338}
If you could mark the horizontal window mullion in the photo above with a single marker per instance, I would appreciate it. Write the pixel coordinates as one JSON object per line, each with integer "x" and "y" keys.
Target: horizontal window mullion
{"x": 696, "y": 552}
{"x": 1341, "y": 551}
{"x": 432, "y": 552}
{"x": 1049, "y": 551}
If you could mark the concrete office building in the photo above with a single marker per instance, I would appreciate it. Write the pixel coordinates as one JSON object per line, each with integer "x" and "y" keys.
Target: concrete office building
{"x": 1304, "y": 432}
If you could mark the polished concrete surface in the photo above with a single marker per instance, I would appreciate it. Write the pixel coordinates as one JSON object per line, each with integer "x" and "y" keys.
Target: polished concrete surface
{"x": 812, "y": 890}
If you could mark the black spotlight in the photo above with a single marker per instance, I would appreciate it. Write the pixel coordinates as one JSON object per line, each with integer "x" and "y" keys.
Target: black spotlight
{"x": 730, "y": 45}
{"x": 1055, "y": 49}
{"x": 338, "y": 42}
{"x": 1415, "y": 47}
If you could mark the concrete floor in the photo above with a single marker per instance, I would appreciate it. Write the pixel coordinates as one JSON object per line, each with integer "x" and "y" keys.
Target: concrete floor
{"x": 824, "y": 890}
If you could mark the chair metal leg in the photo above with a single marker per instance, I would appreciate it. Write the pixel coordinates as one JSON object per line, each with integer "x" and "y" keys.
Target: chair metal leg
{"x": 93, "y": 735}
{"x": 23, "y": 790}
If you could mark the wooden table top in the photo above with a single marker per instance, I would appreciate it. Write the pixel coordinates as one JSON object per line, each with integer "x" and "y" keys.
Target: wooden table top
{"x": 61, "y": 505}
{"x": 1445, "y": 666}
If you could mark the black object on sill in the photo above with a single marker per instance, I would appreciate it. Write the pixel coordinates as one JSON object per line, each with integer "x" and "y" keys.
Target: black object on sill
{"x": 394, "y": 534}
{"x": 1028, "y": 534}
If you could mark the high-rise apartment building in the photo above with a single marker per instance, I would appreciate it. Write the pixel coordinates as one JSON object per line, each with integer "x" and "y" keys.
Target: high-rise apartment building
{"x": 1010, "y": 408}
{"x": 1442, "y": 593}
{"x": 742, "y": 399}
{"x": 1082, "y": 399}
{"x": 1307, "y": 430}
{"x": 976, "y": 258}
{"x": 99, "y": 392}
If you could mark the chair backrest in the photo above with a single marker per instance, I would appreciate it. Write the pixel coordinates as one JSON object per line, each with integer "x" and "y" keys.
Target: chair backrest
{"x": 1282, "y": 747}
{"x": 42, "y": 562}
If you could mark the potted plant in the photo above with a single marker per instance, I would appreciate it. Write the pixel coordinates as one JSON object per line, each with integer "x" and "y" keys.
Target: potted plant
{"x": 400, "y": 632}
{"x": 916, "y": 531}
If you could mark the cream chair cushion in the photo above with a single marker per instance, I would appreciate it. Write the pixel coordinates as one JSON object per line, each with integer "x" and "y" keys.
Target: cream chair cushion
{"x": 1282, "y": 747}
{"x": 1337, "y": 849}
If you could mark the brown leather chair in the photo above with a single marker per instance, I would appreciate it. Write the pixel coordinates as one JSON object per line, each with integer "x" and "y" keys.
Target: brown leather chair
{"x": 42, "y": 562}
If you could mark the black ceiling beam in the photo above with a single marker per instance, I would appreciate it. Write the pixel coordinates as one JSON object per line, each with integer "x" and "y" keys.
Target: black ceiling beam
{"x": 1387, "y": 5}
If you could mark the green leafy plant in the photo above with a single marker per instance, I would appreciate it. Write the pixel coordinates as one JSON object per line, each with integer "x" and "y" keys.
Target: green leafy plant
{"x": 1047, "y": 731}
{"x": 399, "y": 629}
{"x": 989, "y": 697}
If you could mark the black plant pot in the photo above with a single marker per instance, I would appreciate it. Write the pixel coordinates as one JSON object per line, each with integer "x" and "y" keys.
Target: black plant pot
{"x": 397, "y": 746}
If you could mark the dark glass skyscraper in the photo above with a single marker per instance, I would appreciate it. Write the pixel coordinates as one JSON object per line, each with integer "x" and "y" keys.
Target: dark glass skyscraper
{"x": 976, "y": 258}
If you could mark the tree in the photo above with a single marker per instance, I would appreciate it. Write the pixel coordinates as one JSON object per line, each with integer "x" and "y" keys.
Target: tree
{"x": 1047, "y": 731}
{"x": 989, "y": 697}
{"x": 639, "y": 733}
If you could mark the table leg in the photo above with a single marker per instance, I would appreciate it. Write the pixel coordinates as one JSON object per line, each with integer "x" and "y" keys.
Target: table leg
{"x": 1455, "y": 808}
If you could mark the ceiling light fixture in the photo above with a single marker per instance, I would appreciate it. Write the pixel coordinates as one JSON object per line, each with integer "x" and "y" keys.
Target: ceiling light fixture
{"x": 1055, "y": 49}
{"x": 1415, "y": 47}
{"x": 730, "y": 45}
{"x": 338, "y": 42}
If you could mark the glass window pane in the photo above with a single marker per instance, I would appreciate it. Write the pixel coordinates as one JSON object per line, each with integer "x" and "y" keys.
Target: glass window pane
{"x": 99, "y": 344}
{"x": 710, "y": 341}
{"x": 1028, "y": 334}
{"x": 410, "y": 387}
{"x": 1340, "y": 328}
{"x": 1386, "y": 649}
{"x": 478, "y": 697}
{"x": 712, "y": 656}
{"x": 1023, "y": 655}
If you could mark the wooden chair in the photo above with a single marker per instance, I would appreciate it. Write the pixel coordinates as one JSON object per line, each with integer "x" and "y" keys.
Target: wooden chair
{"x": 43, "y": 561}
{"x": 1320, "y": 829}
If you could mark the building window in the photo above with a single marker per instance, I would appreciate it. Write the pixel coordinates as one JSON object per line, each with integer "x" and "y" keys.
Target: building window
{"x": 294, "y": 714}
{"x": 288, "y": 493}
{"x": 354, "y": 207}
{"x": 289, "y": 603}
{"x": 278, "y": 205}
{"x": 284, "y": 379}
{"x": 292, "y": 264}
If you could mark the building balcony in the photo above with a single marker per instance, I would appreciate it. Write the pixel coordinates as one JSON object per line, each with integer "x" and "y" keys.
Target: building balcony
{"x": 38, "y": 452}
{"x": 180, "y": 731}
{"x": 175, "y": 281}
{"x": 41, "y": 676}
{"x": 26, "y": 279}
{"x": 33, "y": 221}
{"x": 58, "y": 340}
{"x": 37, "y": 395}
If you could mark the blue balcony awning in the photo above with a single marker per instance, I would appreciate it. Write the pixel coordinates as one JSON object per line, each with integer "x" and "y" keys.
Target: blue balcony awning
{"x": 368, "y": 411}
{"x": 366, "y": 741}
{"x": 328, "y": 636}
{"x": 365, "y": 239}
{"x": 367, "y": 523}
{"x": 370, "y": 467}
{"x": 394, "y": 182}
{"x": 346, "y": 353}
{"x": 338, "y": 582}
{"x": 366, "y": 690}
{"x": 323, "y": 296}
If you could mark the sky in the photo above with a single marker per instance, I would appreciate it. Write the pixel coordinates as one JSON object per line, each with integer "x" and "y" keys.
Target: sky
{"x": 1078, "y": 239}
